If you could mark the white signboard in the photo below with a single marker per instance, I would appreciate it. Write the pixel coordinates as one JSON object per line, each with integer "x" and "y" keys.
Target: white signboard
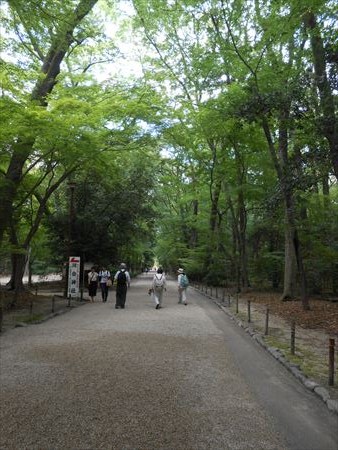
{"x": 74, "y": 276}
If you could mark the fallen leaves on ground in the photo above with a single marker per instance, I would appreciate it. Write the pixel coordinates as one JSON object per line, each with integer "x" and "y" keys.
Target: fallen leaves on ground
{"x": 323, "y": 314}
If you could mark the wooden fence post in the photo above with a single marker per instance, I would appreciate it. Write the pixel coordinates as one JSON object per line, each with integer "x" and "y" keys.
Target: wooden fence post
{"x": 293, "y": 337}
{"x": 331, "y": 361}
{"x": 1, "y": 318}
{"x": 267, "y": 321}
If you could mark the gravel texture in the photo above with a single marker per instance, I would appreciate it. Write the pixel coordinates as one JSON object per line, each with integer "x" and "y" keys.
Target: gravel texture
{"x": 139, "y": 378}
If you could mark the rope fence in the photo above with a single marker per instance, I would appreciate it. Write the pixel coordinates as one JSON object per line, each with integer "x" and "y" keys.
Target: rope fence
{"x": 302, "y": 345}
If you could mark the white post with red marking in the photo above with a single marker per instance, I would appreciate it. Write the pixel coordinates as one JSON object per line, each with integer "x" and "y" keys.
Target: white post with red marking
{"x": 74, "y": 276}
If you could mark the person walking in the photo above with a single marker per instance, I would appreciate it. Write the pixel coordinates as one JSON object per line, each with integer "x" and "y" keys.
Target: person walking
{"x": 183, "y": 284}
{"x": 93, "y": 278}
{"x": 158, "y": 287}
{"x": 122, "y": 279}
{"x": 104, "y": 276}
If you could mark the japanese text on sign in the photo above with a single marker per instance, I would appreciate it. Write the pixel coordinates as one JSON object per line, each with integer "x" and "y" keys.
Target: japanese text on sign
{"x": 74, "y": 276}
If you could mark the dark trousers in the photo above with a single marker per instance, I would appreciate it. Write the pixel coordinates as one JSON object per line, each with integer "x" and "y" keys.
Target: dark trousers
{"x": 104, "y": 291}
{"x": 121, "y": 293}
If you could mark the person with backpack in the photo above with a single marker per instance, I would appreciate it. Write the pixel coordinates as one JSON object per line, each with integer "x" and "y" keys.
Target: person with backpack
{"x": 183, "y": 284}
{"x": 122, "y": 280}
{"x": 158, "y": 287}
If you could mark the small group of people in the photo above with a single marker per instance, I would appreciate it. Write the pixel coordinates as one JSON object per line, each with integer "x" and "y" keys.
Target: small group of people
{"x": 122, "y": 281}
{"x": 103, "y": 279}
{"x": 159, "y": 285}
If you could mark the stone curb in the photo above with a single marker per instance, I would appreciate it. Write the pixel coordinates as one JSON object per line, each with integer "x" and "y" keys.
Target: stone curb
{"x": 311, "y": 385}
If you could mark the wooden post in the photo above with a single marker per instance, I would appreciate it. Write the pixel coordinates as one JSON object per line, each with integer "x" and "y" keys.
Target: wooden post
{"x": 31, "y": 307}
{"x": 293, "y": 337}
{"x": 331, "y": 361}
{"x": 267, "y": 322}
{"x": 249, "y": 311}
{"x": 1, "y": 311}
{"x": 229, "y": 300}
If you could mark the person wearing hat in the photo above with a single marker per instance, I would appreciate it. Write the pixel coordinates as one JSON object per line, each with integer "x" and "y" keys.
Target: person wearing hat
{"x": 122, "y": 279}
{"x": 183, "y": 283}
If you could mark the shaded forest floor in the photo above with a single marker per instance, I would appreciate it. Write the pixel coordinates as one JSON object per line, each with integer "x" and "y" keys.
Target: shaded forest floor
{"x": 34, "y": 305}
{"x": 323, "y": 314}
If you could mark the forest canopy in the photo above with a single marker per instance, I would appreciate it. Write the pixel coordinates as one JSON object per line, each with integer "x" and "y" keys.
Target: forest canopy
{"x": 197, "y": 134}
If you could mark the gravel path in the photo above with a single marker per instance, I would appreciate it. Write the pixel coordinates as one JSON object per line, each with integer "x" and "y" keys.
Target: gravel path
{"x": 139, "y": 378}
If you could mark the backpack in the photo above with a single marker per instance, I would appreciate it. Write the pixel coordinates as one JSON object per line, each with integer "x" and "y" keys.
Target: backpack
{"x": 121, "y": 278}
{"x": 158, "y": 282}
{"x": 184, "y": 282}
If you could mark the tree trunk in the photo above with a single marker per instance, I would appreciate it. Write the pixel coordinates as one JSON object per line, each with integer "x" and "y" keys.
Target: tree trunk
{"x": 275, "y": 274}
{"x": 243, "y": 257}
{"x": 20, "y": 265}
{"x": 235, "y": 248}
{"x": 235, "y": 252}
{"x": 292, "y": 244}
{"x": 328, "y": 120}
{"x": 9, "y": 186}
{"x": 295, "y": 248}
{"x": 290, "y": 264}
{"x": 214, "y": 207}
{"x": 194, "y": 235}
{"x": 241, "y": 219}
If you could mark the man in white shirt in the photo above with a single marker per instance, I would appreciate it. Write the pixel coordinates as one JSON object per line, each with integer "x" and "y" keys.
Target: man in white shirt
{"x": 104, "y": 276}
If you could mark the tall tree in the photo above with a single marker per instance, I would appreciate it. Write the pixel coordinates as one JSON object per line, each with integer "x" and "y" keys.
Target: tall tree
{"x": 63, "y": 34}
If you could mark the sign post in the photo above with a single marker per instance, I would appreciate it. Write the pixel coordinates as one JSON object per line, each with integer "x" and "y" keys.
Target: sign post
{"x": 74, "y": 276}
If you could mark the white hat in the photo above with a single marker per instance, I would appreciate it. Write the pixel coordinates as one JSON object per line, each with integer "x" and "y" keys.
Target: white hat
{"x": 180, "y": 271}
